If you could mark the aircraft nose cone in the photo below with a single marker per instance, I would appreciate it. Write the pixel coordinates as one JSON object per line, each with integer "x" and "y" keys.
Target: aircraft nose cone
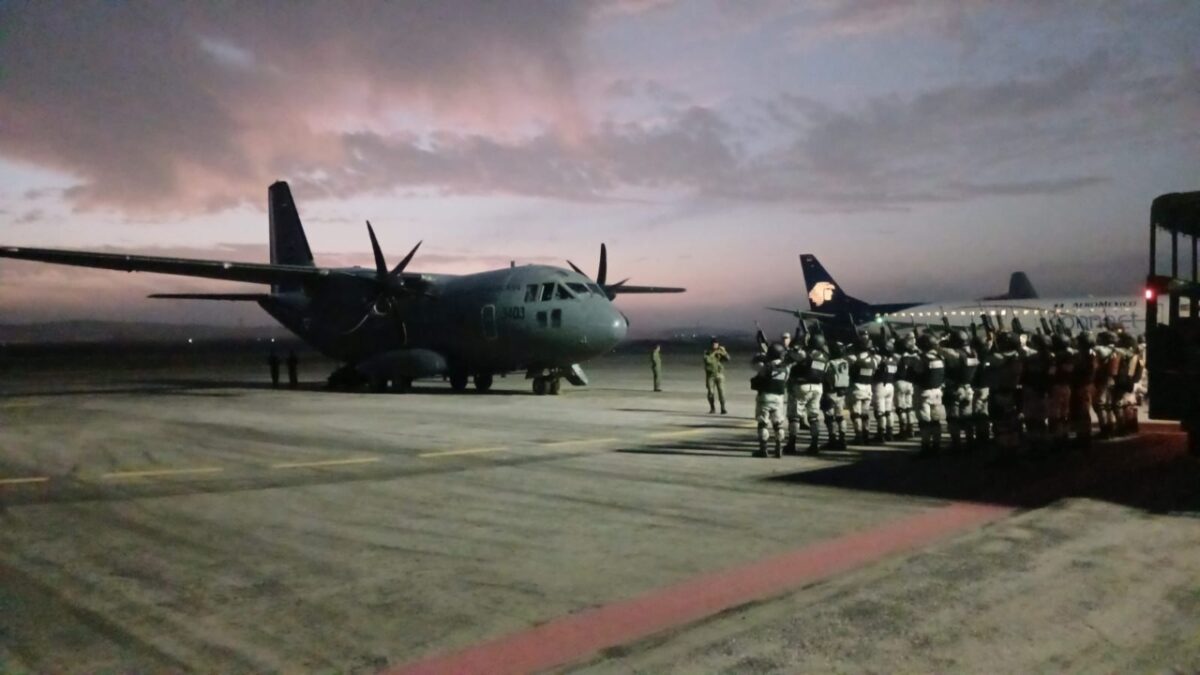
{"x": 615, "y": 327}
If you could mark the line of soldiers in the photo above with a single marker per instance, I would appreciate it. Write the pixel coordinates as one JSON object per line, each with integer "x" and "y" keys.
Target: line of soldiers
{"x": 1008, "y": 387}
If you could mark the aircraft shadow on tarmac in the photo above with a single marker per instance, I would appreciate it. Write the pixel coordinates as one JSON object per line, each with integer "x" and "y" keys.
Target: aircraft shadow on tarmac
{"x": 230, "y": 388}
{"x": 1152, "y": 472}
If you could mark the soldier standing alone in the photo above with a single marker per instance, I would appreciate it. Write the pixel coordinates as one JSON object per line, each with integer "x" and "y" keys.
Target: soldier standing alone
{"x": 293, "y": 364}
{"x": 714, "y": 375}
{"x": 656, "y": 366}
{"x": 273, "y": 363}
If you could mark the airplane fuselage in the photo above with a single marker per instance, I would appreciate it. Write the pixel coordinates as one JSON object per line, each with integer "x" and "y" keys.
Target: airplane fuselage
{"x": 1088, "y": 313}
{"x": 514, "y": 318}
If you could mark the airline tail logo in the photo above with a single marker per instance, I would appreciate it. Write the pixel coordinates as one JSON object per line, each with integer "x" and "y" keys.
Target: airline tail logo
{"x": 821, "y": 293}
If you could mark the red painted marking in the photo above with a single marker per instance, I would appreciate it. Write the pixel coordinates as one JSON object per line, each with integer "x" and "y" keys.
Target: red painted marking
{"x": 577, "y": 636}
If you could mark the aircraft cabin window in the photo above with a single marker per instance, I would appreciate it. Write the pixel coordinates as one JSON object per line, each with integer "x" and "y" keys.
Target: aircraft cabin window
{"x": 531, "y": 293}
{"x": 556, "y": 318}
{"x": 547, "y": 291}
{"x": 561, "y": 293}
{"x": 580, "y": 289}
{"x": 541, "y": 319}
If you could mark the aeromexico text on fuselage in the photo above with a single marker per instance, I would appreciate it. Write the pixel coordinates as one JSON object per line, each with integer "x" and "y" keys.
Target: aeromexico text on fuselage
{"x": 1082, "y": 312}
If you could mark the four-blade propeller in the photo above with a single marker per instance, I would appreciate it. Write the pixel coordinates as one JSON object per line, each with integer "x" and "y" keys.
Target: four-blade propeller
{"x": 612, "y": 290}
{"x": 391, "y": 284}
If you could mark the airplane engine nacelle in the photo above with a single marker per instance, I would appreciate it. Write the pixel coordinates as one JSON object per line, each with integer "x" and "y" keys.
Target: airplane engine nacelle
{"x": 404, "y": 363}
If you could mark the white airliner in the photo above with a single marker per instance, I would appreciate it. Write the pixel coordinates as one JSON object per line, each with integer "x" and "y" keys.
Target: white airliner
{"x": 836, "y": 310}
{"x": 1088, "y": 312}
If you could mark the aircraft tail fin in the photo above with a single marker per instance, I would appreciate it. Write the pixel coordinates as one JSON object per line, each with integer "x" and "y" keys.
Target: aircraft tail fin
{"x": 289, "y": 246}
{"x": 824, "y": 294}
{"x": 1020, "y": 287}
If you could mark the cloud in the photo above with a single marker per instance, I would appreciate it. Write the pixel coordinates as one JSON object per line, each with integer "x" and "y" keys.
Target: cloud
{"x": 165, "y": 107}
{"x": 30, "y": 217}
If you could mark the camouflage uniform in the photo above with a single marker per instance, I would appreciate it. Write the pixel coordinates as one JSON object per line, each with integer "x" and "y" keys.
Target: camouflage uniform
{"x": 714, "y": 377}
{"x": 770, "y": 383}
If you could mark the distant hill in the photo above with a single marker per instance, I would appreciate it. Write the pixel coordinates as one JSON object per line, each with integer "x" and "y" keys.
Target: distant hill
{"x": 74, "y": 332}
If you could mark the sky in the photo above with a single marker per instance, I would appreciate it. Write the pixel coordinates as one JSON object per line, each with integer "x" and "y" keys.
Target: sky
{"x": 922, "y": 149}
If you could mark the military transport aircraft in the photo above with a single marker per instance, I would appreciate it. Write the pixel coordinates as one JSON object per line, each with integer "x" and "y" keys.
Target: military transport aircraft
{"x": 390, "y": 327}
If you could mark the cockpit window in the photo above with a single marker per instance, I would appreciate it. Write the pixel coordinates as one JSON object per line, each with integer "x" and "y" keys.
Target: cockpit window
{"x": 547, "y": 291}
{"x": 580, "y": 289}
{"x": 595, "y": 289}
{"x": 531, "y": 293}
{"x": 562, "y": 293}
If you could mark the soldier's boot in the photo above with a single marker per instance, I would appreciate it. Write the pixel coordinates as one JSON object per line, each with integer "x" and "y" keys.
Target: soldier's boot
{"x": 1133, "y": 421}
{"x": 831, "y": 430}
{"x": 778, "y": 443}
{"x": 937, "y": 437}
{"x": 926, "y": 444}
{"x": 790, "y": 448}
{"x": 712, "y": 405}
{"x": 723, "y": 410}
{"x": 762, "y": 448}
{"x": 888, "y": 436}
{"x": 814, "y": 435}
{"x": 841, "y": 443}
{"x": 880, "y": 426}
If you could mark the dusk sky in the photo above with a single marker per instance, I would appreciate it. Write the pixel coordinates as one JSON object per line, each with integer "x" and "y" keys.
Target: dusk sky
{"x": 922, "y": 149}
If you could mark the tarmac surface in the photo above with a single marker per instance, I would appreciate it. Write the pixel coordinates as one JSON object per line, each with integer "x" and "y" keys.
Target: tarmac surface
{"x": 184, "y": 516}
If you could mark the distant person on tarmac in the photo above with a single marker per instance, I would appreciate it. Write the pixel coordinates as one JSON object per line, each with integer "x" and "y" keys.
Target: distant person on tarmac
{"x": 714, "y": 375}
{"x": 656, "y": 366}
{"x": 273, "y": 363}
{"x": 293, "y": 365}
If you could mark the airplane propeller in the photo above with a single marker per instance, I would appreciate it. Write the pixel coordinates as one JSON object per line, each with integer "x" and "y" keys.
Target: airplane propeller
{"x": 391, "y": 284}
{"x": 611, "y": 290}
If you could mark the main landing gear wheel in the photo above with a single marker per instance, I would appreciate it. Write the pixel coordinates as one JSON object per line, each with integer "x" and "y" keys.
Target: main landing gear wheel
{"x": 547, "y": 385}
{"x": 402, "y": 385}
{"x": 458, "y": 381}
{"x": 483, "y": 381}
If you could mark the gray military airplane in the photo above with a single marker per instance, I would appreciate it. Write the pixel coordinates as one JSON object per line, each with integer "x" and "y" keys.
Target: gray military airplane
{"x": 390, "y": 327}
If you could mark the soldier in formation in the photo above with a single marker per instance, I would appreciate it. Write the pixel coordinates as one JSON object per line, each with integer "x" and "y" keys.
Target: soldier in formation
{"x": 1006, "y": 389}
{"x": 770, "y": 384}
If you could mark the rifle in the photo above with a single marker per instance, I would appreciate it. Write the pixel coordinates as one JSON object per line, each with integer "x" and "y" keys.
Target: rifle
{"x": 946, "y": 323}
{"x": 853, "y": 326}
{"x": 1046, "y": 325}
{"x": 988, "y": 326}
{"x": 1016, "y": 326}
{"x": 761, "y": 338}
{"x": 801, "y": 336}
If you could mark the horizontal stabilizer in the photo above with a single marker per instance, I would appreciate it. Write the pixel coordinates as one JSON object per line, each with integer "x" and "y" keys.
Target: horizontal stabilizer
{"x": 232, "y": 297}
{"x": 804, "y": 313}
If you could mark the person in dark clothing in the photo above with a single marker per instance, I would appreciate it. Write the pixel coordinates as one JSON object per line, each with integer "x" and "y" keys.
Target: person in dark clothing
{"x": 273, "y": 363}
{"x": 293, "y": 365}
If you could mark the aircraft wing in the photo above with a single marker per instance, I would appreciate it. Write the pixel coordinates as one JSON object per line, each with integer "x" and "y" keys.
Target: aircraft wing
{"x": 230, "y": 297}
{"x": 621, "y": 289}
{"x": 255, "y": 273}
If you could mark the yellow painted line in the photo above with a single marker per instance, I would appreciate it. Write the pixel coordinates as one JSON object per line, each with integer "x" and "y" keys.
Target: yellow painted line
{"x": 468, "y": 451}
{"x": 161, "y": 472}
{"x": 676, "y": 434}
{"x": 22, "y": 481}
{"x": 327, "y": 462}
{"x": 581, "y": 441}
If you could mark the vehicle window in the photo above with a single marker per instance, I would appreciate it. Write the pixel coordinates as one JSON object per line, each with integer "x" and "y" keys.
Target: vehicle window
{"x": 547, "y": 291}
{"x": 556, "y": 318}
{"x": 562, "y": 293}
{"x": 580, "y": 289}
{"x": 595, "y": 289}
{"x": 541, "y": 319}
{"x": 531, "y": 293}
